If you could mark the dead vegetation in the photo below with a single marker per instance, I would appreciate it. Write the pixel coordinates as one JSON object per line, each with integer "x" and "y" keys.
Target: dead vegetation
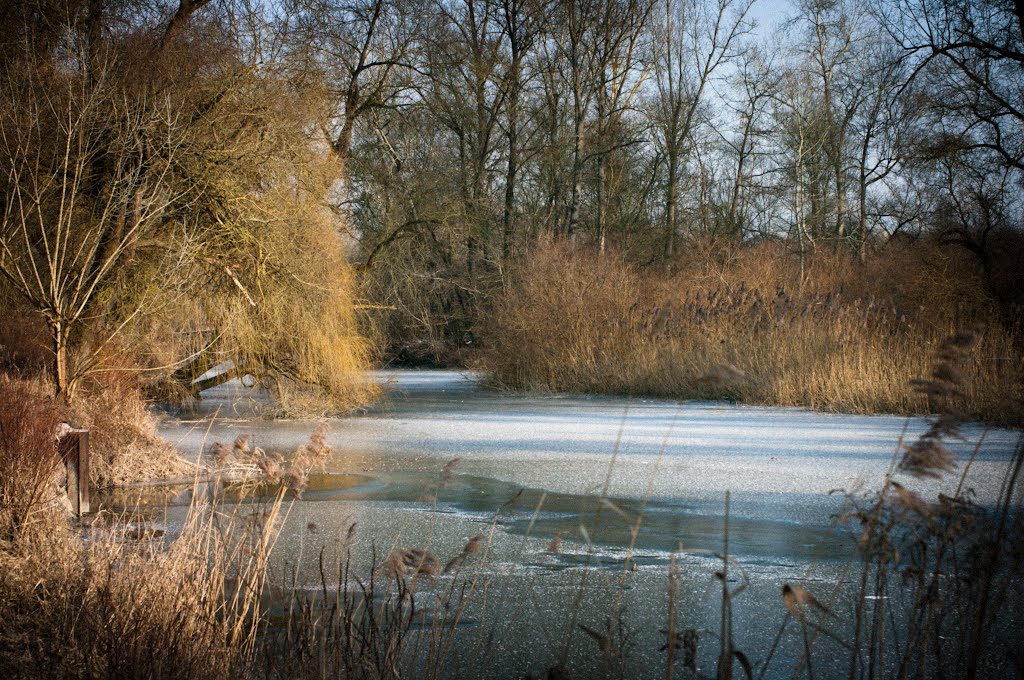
{"x": 742, "y": 325}
{"x": 116, "y": 605}
{"x": 937, "y": 580}
{"x": 254, "y": 466}
{"x": 29, "y": 492}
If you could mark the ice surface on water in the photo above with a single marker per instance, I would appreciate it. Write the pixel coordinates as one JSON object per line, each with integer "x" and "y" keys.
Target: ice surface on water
{"x": 531, "y": 467}
{"x": 566, "y": 444}
{"x": 557, "y": 453}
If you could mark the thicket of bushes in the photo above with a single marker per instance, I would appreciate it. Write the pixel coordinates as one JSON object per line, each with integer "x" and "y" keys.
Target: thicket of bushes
{"x": 743, "y": 322}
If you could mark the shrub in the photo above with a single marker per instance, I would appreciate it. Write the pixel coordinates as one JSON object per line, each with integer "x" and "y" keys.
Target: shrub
{"x": 124, "y": 445}
{"x": 115, "y": 606}
{"x": 24, "y": 340}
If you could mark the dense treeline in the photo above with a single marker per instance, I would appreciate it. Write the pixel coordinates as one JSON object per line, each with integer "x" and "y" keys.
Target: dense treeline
{"x": 643, "y": 126}
{"x": 204, "y": 165}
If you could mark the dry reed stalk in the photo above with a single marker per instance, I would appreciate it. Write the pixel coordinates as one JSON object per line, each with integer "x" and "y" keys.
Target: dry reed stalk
{"x": 124, "y": 445}
{"x": 574, "y": 322}
{"x": 115, "y": 606}
{"x": 374, "y": 628}
{"x": 947, "y": 558}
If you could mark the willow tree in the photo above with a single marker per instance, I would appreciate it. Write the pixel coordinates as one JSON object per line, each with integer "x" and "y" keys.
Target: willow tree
{"x": 154, "y": 181}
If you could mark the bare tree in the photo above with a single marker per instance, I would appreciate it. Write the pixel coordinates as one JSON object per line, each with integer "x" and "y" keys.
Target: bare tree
{"x": 801, "y": 155}
{"x": 184, "y": 12}
{"x": 349, "y": 57}
{"x": 963, "y": 68}
{"x": 85, "y": 172}
{"x": 880, "y": 128}
{"x": 521, "y": 25}
{"x": 571, "y": 35}
{"x": 756, "y": 83}
{"x": 694, "y": 38}
{"x": 619, "y": 60}
{"x": 466, "y": 96}
{"x": 968, "y": 56}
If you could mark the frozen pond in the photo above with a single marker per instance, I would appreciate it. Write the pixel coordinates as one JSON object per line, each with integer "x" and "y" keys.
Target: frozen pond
{"x": 587, "y": 470}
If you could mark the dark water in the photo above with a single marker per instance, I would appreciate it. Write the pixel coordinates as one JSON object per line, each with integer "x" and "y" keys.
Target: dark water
{"x": 654, "y": 528}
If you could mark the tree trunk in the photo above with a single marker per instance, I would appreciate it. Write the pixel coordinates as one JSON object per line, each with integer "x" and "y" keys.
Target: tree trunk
{"x": 577, "y": 178}
{"x": 603, "y": 124}
{"x": 508, "y": 224}
{"x": 602, "y": 208}
{"x": 61, "y": 378}
{"x": 671, "y": 191}
{"x": 840, "y": 201}
{"x": 862, "y": 217}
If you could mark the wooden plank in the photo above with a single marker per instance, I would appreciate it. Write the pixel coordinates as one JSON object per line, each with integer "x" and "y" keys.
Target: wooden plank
{"x": 83, "y": 473}
{"x": 74, "y": 451}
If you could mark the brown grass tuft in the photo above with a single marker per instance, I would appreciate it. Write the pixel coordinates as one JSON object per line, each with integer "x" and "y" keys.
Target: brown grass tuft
{"x": 402, "y": 562}
{"x": 946, "y": 391}
{"x": 745, "y": 327}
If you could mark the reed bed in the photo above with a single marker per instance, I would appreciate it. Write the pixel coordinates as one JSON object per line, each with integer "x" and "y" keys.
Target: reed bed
{"x": 937, "y": 580}
{"x": 116, "y": 596}
{"x": 29, "y": 466}
{"x": 749, "y": 330}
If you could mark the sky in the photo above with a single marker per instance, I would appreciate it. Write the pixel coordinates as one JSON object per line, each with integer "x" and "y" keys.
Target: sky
{"x": 769, "y": 14}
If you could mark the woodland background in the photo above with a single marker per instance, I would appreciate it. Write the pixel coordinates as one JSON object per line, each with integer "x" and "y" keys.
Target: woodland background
{"x": 593, "y": 193}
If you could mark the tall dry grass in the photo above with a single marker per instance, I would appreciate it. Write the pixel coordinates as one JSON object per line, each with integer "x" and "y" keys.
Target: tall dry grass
{"x": 398, "y": 620}
{"x": 118, "y": 598}
{"x": 124, "y": 446}
{"x": 741, "y": 324}
{"x": 937, "y": 582}
{"x": 30, "y": 467}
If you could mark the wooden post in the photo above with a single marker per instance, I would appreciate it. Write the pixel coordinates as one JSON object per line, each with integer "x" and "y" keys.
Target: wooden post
{"x": 74, "y": 451}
